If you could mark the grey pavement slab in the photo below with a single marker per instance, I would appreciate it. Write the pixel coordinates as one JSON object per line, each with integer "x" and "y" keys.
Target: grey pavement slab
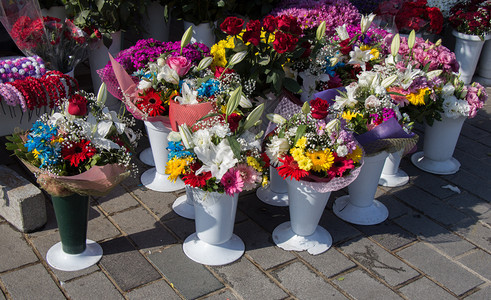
{"x": 474, "y": 184}
{"x": 479, "y": 261}
{"x": 433, "y": 233}
{"x": 478, "y": 167}
{"x": 99, "y": 227}
{"x": 141, "y": 227}
{"x": 14, "y": 250}
{"x": 2, "y": 296}
{"x": 159, "y": 203}
{"x": 424, "y": 288}
{"x": 475, "y": 232}
{"x": 472, "y": 147}
{"x": 471, "y": 206}
{"x": 384, "y": 265}
{"x": 304, "y": 283}
{"x": 117, "y": 200}
{"x": 443, "y": 270}
{"x": 388, "y": 234}
{"x": 248, "y": 281}
{"x": 32, "y": 282}
{"x": 182, "y": 227}
{"x": 482, "y": 294}
{"x": 359, "y": 285}
{"x": 191, "y": 279}
{"x": 222, "y": 295}
{"x": 126, "y": 265}
{"x": 474, "y": 132}
{"x": 266, "y": 216}
{"x": 329, "y": 263}
{"x": 92, "y": 286}
{"x": 155, "y": 290}
{"x": 260, "y": 246}
{"x": 432, "y": 184}
{"x": 395, "y": 207}
{"x": 339, "y": 229}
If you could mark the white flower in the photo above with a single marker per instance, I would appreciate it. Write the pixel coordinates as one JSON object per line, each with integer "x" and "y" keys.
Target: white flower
{"x": 342, "y": 32}
{"x": 202, "y": 138}
{"x": 96, "y": 131}
{"x": 220, "y": 130}
{"x": 250, "y": 141}
{"x": 454, "y": 108}
{"x": 342, "y": 151}
{"x": 160, "y": 62}
{"x": 144, "y": 84}
{"x": 173, "y": 136}
{"x": 366, "y": 78}
{"x": 113, "y": 117}
{"x": 217, "y": 159}
{"x": 276, "y": 148}
{"x": 188, "y": 95}
{"x": 372, "y": 102}
{"x": 359, "y": 57}
{"x": 168, "y": 74}
{"x": 245, "y": 102}
{"x": 448, "y": 90}
{"x": 365, "y": 22}
{"x": 347, "y": 101}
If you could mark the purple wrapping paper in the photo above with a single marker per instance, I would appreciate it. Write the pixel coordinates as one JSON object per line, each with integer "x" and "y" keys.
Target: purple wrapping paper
{"x": 329, "y": 94}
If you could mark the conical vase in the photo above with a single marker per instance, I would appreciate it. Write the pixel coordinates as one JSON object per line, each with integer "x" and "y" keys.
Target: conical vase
{"x": 302, "y": 232}
{"x": 202, "y": 33}
{"x": 359, "y": 206}
{"x": 74, "y": 252}
{"x": 214, "y": 243}
{"x": 392, "y": 175}
{"x": 467, "y": 51}
{"x": 440, "y": 140}
{"x": 184, "y": 205}
{"x": 155, "y": 178}
{"x": 484, "y": 65}
{"x": 155, "y": 25}
{"x": 276, "y": 192}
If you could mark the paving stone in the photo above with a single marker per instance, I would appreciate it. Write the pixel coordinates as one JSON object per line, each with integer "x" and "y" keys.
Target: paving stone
{"x": 92, "y": 286}
{"x": 472, "y": 206}
{"x": 424, "y": 288}
{"x": 126, "y": 265}
{"x": 43, "y": 243}
{"x": 475, "y": 166}
{"x": 117, "y": 200}
{"x": 99, "y": 227}
{"x": 2, "y": 296}
{"x": 248, "y": 281}
{"x": 395, "y": 207}
{"x": 260, "y": 246}
{"x": 31, "y": 282}
{"x": 339, "y": 229}
{"x": 359, "y": 285}
{"x": 304, "y": 283}
{"x": 475, "y": 232}
{"x": 468, "y": 181}
{"x": 14, "y": 250}
{"x": 222, "y": 295}
{"x": 430, "y": 205}
{"x": 449, "y": 274}
{"x": 474, "y": 132}
{"x": 433, "y": 233}
{"x": 329, "y": 263}
{"x": 388, "y": 235}
{"x": 143, "y": 229}
{"x": 380, "y": 262}
{"x": 267, "y": 216}
{"x": 155, "y": 290}
{"x": 182, "y": 227}
{"x": 478, "y": 261}
{"x": 432, "y": 184}
{"x": 480, "y": 121}
{"x": 482, "y": 294}
{"x": 191, "y": 279}
{"x": 159, "y": 203}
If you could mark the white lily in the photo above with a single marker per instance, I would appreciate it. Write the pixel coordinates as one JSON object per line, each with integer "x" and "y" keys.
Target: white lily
{"x": 365, "y": 22}
{"x": 342, "y": 32}
{"x": 348, "y": 100}
{"x": 217, "y": 159}
{"x": 188, "y": 95}
{"x": 168, "y": 74}
{"x": 359, "y": 57}
{"x": 144, "y": 84}
{"x": 113, "y": 116}
{"x": 96, "y": 131}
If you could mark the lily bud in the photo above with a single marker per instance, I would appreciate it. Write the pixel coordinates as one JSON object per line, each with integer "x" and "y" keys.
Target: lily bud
{"x": 254, "y": 116}
{"x": 102, "y": 94}
{"x": 366, "y": 22}
{"x": 305, "y": 108}
{"x": 186, "y": 37}
{"x": 276, "y": 118}
{"x": 395, "y": 45}
{"x": 321, "y": 30}
{"x": 186, "y": 136}
{"x": 205, "y": 63}
{"x": 412, "y": 39}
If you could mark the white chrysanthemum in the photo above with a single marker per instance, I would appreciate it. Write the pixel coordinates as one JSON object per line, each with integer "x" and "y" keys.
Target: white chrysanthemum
{"x": 276, "y": 148}
{"x": 454, "y": 108}
{"x": 372, "y": 102}
{"x": 342, "y": 151}
{"x": 202, "y": 138}
{"x": 220, "y": 130}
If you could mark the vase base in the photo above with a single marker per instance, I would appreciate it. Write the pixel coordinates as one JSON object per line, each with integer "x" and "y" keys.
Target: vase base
{"x": 447, "y": 167}
{"x": 374, "y": 214}
{"x": 486, "y": 82}
{"x": 146, "y": 157}
{"x": 266, "y": 195}
{"x": 398, "y": 179}
{"x": 160, "y": 182}
{"x": 213, "y": 255}
{"x": 60, "y": 260}
{"x": 316, "y": 243}
{"x": 183, "y": 208}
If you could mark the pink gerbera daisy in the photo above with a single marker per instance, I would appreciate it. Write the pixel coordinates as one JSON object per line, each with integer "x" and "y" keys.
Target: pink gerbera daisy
{"x": 232, "y": 182}
{"x": 250, "y": 176}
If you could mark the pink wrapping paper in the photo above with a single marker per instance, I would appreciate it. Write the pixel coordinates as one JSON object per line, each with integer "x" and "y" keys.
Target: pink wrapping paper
{"x": 187, "y": 114}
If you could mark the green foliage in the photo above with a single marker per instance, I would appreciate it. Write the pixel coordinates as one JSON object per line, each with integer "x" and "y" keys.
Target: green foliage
{"x": 202, "y": 11}
{"x": 50, "y": 3}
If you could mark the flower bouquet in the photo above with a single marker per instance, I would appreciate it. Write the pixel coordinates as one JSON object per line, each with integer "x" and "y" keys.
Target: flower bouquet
{"x": 319, "y": 156}
{"x": 219, "y": 158}
{"x": 471, "y": 17}
{"x": 82, "y": 149}
{"x": 418, "y": 16}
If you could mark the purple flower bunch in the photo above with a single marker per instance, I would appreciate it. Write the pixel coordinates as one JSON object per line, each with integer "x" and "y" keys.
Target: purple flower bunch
{"x": 20, "y": 68}
{"x": 373, "y": 35}
{"x": 311, "y": 13}
{"x": 475, "y": 97}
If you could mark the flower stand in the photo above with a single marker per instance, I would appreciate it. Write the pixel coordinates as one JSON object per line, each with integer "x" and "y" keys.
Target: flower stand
{"x": 155, "y": 25}
{"x": 276, "y": 193}
{"x": 440, "y": 140}
{"x": 74, "y": 252}
{"x": 184, "y": 205}
{"x": 202, "y": 33}
{"x": 392, "y": 176}
{"x": 155, "y": 178}
{"x": 360, "y": 207}
{"x": 484, "y": 66}
{"x": 146, "y": 157}
{"x": 214, "y": 243}
{"x": 302, "y": 232}
{"x": 467, "y": 51}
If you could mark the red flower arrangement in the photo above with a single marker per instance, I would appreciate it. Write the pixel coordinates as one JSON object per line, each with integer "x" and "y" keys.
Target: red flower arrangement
{"x": 472, "y": 17}
{"x": 418, "y": 16}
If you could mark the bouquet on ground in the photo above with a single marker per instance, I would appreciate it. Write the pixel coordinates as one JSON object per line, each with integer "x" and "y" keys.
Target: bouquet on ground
{"x": 220, "y": 153}
{"x": 314, "y": 149}
{"x": 472, "y": 17}
{"x": 82, "y": 148}
{"x": 418, "y": 16}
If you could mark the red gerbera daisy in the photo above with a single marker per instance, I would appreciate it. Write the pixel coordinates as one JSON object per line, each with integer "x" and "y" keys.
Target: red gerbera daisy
{"x": 290, "y": 168}
{"x": 77, "y": 152}
{"x": 151, "y": 103}
{"x": 341, "y": 165}
{"x": 196, "y": 180}
{"x": 266, "y": 159}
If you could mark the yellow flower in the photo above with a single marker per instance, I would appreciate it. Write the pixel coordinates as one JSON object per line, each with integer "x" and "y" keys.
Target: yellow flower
{"x": 321, "y": 160}
{"x": 355, "y": 155}
{"x": 57, "y": 140}
{"x": 348, "y": 115}
{"x": 218, "y": 52}
{"x": 36, "y": 153}
{"x": 265, "y": 181}
{"x": 175, "y": 167}
{"x": 373, "y": 51}
{"x": 297, "y": 153}
{"x": 301, "y": 143}
{"x": 305, "y": 163}
{"x": 418, "y": 98}
{"x": 251, "y": 161}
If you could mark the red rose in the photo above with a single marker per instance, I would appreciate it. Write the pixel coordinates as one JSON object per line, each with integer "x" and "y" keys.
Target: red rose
{"x": 318, "y": 108}
{"x": 345, "y": 47}
{"x": 270, "y": 24}
{"x": 232, "y": 25}
{"x": 280, "y": 43}
{"x": 219, "y": 70}
{"x": 233, "y": 121}
{"x": 77, "y": 105}
{"x": 254, "y": 25}
{"x": 436, "y": 19}
{"x": 306, "y": 45}
{"x": 289, "y": 24}
{"x": 252, "y": 37}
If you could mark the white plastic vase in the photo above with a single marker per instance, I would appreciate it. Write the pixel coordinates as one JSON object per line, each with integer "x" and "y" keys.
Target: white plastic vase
{"x": 360, "y": 207}
{"x": 276, "y": 193}
{"x": 184, "y": 205}
{"x": 214, "y": 243}
{"x": 146, "y": 156}
{"x": 484, "y": 66}
{"x": 440, "y": 140}
{"x": 202, "y": 33}
{"x": 392, "y": 176}
{"x": 155, "y": 25}
{"x": 155, "y": 178}
{"x": 467, "y": 51}
{"x": 302, "y": 232}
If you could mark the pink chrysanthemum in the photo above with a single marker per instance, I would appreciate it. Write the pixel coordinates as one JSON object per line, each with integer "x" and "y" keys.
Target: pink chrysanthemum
{"x": 232, "y": 182}
{"x": 250, "y": 176}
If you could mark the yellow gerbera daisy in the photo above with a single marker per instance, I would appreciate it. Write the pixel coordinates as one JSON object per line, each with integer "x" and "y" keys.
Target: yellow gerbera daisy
{"x": 355, "y": 155}
{"x": 417, "y": 98}
{"x": 301, "y": 143}
{"x": 321, "y": 160}
{"x": 251, "y": 161}
{"x": 305, "y": 164}
{"x": 348, "y": 115}
{"x": 175, "y": 167}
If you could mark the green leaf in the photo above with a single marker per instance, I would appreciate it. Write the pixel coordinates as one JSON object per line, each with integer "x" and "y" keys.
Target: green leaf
{"x": 264, "y": 60}
{"x": 300, "y": 132}
{"x": 235, "y": 146}
{"x": 233, "y": 101}
{"x": 291, "y": 85}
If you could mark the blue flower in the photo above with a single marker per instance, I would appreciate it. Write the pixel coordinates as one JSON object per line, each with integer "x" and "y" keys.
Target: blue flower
{"x": 176, "y": 149}
{"x": 331, "y": 69}
{"x": 209, "y": 88}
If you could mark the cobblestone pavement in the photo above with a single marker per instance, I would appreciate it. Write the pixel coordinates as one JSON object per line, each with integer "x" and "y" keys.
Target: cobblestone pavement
{"x": 436, "y": 244}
